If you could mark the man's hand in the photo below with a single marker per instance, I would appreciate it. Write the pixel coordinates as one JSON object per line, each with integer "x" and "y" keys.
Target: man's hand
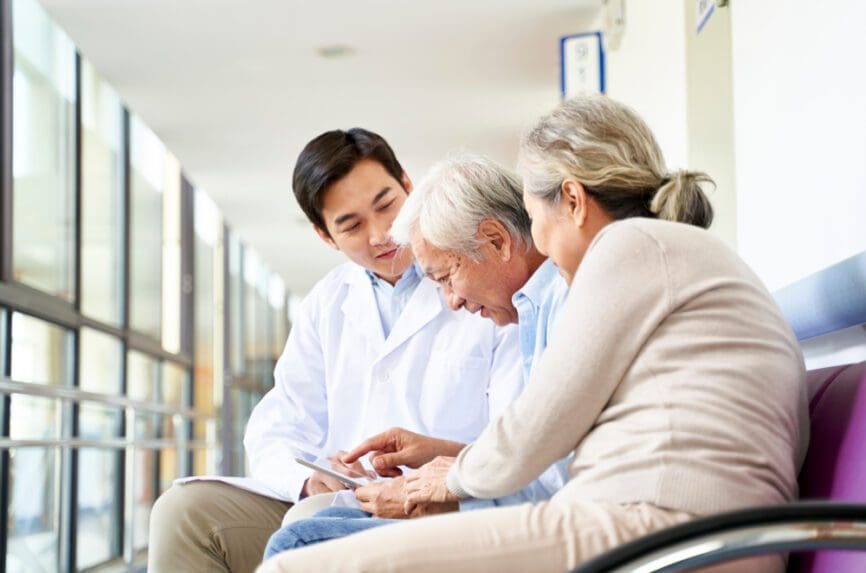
{"x": 383, "y": 499}
{"x": 427, "y": 485}
{"x": 399, "y": 447}
{"x": 387, "y": 499}
{"x": 323, "y": 483}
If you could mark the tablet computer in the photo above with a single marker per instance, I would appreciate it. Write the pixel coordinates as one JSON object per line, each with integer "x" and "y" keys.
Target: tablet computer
{"x": 351, "y": 482}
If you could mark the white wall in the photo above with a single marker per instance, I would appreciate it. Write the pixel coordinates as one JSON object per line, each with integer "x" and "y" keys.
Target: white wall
{"x": 648, "y": 71}
{"x": 710, "y": 94}
{"x": 800, "y": 134}
{"x": 680, "y": 83}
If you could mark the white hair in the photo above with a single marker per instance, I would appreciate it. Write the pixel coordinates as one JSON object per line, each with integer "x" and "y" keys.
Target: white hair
{"x": 455, "y": 197}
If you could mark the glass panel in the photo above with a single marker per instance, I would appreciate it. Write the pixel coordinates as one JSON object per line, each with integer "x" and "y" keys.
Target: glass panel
{"x": 102, "y": 198}
{"x": 206, "y": 461}
{"x": 174, "y": 393}
{"x": 144, "y": 494}
{"x": 279, "y": 331}
{"x": 99, "y": 362}
{"x": 43, "y": 158}
{"x": 242, "y": 405}
{"x": 206, "y": 227}
{"x": 148, "y": 159}
{"x": 256, "y": 318}
{"x": 98, "y": 506}
{"x": 34, "y": 517}
{"x": 141, "y": 376}
{"x": 145, "y": 426}
{"x": 173, "y": 387}
{"x": 41, "y": 354}
{"x": 236, "y": 323}
{"x": 208, "y": 327}
{"x": 168, "y": 468}
{"x": 40, "y": 351}
{"x": 171, "y": 280}
{"x": 200, "y": 461}
{"x": 34, "y": 418}
{"x": 98, "y": 422}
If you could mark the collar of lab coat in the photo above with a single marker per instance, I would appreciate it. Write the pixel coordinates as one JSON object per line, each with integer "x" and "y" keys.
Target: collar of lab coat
{"x": 361, "y": 310}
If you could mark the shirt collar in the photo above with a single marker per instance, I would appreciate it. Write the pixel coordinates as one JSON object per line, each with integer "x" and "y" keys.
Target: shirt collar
{"x": 541, "y": 280}
{"x": 411, "y": 275}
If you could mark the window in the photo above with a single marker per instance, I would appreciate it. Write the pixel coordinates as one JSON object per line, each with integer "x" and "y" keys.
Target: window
{"x": 208, "y": 334}
{"x": 43, "y": 152}
{"x": 99, "y": 498}
{"x": 142, "y": 374}
{"x": 41, "y": 354}
{"x": 148, "y": 159}
{"x": 279, "y": 316}
{"x": 256, "y": 320}
{"x": 97, "y": 413}
{"x": 102, "y": 199}
{"x": 236, "y": 307}
{"x": 174, "y": 392}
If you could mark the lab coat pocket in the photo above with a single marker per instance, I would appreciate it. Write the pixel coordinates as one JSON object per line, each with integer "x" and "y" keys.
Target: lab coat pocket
{"x": 454, "y": 396}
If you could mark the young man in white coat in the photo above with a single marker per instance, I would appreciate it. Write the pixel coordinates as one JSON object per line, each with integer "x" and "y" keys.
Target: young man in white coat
{"x": 373, "y": 346}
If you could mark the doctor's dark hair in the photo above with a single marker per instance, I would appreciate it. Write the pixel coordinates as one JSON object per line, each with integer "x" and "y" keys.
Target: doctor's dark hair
{"x": 611, "y": 151}
{"x": 330, "y": 157}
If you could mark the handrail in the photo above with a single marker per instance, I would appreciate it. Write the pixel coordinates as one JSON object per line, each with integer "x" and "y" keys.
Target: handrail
{"x": 107, "y": 444}
{"x": 826, "y": 301}
{"x": 69, "y": 394}
{"x": 798, "y": 526}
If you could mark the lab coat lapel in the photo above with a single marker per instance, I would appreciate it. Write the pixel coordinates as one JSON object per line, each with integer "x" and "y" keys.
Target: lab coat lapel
{"x": 361, "y": 310}
{"x": 424, "y": 306}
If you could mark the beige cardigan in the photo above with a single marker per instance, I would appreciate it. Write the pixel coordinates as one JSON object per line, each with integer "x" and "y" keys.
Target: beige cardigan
{"x": 672, "y": 377}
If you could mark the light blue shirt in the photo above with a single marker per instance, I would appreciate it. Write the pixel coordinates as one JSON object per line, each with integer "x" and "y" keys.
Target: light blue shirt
{"x": 537, "y": 304}
{"x": 391, "y": 300}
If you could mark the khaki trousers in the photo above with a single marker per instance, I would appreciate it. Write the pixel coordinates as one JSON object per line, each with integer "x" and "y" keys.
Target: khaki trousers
{"x": 543, "y": 537}
{"x": 208, "y": 526}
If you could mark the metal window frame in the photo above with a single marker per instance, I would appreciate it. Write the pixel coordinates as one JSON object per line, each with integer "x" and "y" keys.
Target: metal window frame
{"x": 22, "y": 298}
{"x": 19, "y": 297}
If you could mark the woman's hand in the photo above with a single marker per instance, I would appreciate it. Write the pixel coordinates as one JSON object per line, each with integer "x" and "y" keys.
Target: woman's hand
{"x": 399, "y": 447}
{"x": 387, "y": 499}
{"x": 427, "y": 485}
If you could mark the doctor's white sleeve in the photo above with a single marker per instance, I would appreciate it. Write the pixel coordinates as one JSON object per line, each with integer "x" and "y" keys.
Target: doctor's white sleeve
{"x": 292, "y": 418}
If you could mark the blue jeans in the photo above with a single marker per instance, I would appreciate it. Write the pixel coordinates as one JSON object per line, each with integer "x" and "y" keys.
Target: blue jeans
{"x": 330, "y": 523}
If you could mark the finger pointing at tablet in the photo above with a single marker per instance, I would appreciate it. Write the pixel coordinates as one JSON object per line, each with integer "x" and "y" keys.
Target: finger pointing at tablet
{"x": 398, "y": 447}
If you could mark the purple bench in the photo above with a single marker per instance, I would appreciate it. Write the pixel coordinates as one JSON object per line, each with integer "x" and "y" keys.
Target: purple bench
{"x": 825, "y": 527}
{"x": 835, "y": 466}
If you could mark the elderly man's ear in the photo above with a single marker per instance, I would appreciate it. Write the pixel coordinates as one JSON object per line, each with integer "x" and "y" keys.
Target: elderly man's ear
{"x": 495, "y": 239}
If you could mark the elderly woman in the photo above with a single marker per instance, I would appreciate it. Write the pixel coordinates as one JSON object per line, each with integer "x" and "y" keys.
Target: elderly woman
{"x": 671, "y": 377}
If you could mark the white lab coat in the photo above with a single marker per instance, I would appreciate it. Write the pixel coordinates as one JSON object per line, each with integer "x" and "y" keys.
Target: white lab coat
{"x": 339, "y": 380}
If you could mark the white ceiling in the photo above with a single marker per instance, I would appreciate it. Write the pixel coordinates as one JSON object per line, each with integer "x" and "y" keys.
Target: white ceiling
{"x": 236, "y": 88}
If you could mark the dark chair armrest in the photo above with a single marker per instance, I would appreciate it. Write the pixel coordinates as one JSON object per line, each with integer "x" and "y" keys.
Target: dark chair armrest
{"x": 805, "y": 525}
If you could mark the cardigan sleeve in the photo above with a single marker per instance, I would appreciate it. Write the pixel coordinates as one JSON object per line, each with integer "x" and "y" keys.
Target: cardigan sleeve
{"x": 619, "y": 295}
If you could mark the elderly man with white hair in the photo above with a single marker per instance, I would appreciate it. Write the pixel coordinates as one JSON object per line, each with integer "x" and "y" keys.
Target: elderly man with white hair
{"x": 470, "y": 233}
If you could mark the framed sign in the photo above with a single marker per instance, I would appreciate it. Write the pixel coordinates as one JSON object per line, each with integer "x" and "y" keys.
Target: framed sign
{"x": 704, "y": 11}
{"x": 581, "y": 64}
